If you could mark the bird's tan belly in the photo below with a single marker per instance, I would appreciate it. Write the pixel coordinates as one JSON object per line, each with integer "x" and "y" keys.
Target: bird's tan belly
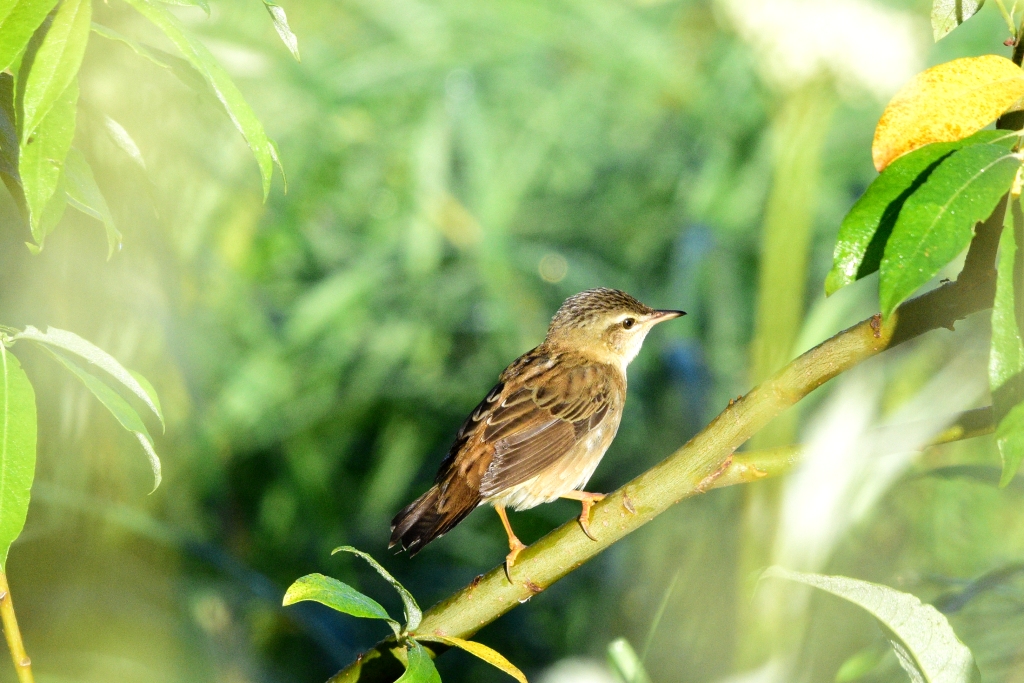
{"x": 569, "y": 473}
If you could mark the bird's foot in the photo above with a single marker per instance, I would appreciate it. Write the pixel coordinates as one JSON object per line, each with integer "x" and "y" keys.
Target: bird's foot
{"x": 588, "y": 501}
{"x": 516, "y": 546}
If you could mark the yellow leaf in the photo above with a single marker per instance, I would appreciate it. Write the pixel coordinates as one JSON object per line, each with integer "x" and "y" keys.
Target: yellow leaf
{"x": 945, "y": 103}
{"x": 492, "y": 657}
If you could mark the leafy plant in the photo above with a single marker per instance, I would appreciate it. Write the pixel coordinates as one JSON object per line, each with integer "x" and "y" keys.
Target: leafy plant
{"x": 407, "y": 643}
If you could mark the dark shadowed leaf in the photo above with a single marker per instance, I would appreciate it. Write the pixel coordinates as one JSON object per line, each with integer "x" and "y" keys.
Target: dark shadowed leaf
{"x": 118, "y": 407}
{"x": 85, "y": 195}
{"x": 55, "y": 64}
{"x": 223, "y": 87}
{"x": 489, "y": 655}
{"x": 338, "y": 596}
{"x": 419, "y": 668}
{"x": 948, "y": 14}
{"x": 18, "y": 21}
{"x": 937, "y": 221}
{"x": 71, "y": 342}
{"x": 283, "y": 29}
{"x": 1006, "y": 355}
{"x": 413, "y": 613}
{"x": 866, "y": 228}
{"x": 17, "y": 449}
{"x": 42, "y": 160}
{"x": 924, "y": 641}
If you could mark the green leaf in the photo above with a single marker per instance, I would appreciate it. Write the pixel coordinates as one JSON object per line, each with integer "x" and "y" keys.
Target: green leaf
{"x": 202, "y": 4}
{"x": 71, "y": 342}
{"x": 85, "y": 195}
{"x": 55, "y": 64}
{"x": 626, "y": 663}
{"x": 1006, "y": 356}
{"x": 948, "y": 14}
{"x": 223, "y": 87}
{"x": 152, "y": 54}
{"x": 118, "y": 407}
{"x": 151, "y": 392}
{"x": 283, "y": 29}
{"x": 867, "y": 227}
{"x": 413, "y": 613}
{"x": 1010, "y": 440}
{"x": 489, "y": 655}
{"x": 42, "y": 161}
{"x": 338, "y": 596}
{"x": 123, "y": 140}
{"x": 419, "y": 668}
{"x": 17, "y": 449}
{"x": 937, "y": 221}
{"x": 925, "y": 643}
{"x": 18, "y": 21}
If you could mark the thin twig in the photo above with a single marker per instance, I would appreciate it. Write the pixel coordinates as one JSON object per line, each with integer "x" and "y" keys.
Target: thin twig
{"x": 22, "y": 664}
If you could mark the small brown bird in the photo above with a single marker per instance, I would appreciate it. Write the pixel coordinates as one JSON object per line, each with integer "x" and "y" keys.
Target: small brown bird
{"x": 542, "y": 430}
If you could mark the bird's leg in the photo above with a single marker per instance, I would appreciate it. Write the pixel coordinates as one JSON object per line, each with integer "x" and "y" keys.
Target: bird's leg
{"x": 514, "y": 544}
{"x": 588, "y": 500}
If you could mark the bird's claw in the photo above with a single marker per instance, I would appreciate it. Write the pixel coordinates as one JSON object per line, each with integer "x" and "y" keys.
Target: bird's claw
{"x": 585, "y": 515}
{"x": 510, "y": 559}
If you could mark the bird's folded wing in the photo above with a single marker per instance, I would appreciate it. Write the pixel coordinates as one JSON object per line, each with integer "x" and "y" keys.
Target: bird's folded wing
{"x": 531, "y": 428}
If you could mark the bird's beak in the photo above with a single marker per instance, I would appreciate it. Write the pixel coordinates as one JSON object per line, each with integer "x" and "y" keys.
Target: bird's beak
{"x": 662, "y": 316}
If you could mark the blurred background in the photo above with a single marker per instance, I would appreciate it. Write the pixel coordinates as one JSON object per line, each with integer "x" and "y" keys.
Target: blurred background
{"x": 455, "y": 170}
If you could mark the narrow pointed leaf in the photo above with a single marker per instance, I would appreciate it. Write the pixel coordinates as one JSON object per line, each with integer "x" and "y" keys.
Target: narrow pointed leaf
{"x": 338, "y": 596}
{"x": 85, "y": 195}
{"x": 223, "y": 87}
{"x": 948, "y": 14}
{"x": 937, "y": 222}
{"x": 17, "y": 449}
{"x": 945, "y": 103}
{"x": 489, "y": 655}
{"x": 1006, "y": 355}
{"x": 125, "y": 141}
{"x": 419, "y": 668}
{"x": 283, "y": 29}
{"x": 118, "y": 407}
{"x": 55, "y": 64}
{"x": 413, "y": 613}
{"x": 625, "y": 662}
{"x": 71, "y": 342}
{"x": 42, "y": 159}
{"x": 151, "y": 392}
{"x": 18, "y": 21}
{"x": 138, "y": 48}
{"x": 866, "y": 228}
{"x": 201, "y": 4}
{"x": 926, "y": 641}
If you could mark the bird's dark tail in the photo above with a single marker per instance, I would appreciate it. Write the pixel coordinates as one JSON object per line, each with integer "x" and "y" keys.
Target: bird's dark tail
{"x": 429, "y": 517}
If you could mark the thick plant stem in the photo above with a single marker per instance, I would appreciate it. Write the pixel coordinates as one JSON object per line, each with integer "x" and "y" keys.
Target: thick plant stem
{"x": 699, "y": 464}
{"x": 22, "y": 664}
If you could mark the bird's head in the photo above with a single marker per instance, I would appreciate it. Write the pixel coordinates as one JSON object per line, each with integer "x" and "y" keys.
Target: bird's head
{"x": 605, "y": 324}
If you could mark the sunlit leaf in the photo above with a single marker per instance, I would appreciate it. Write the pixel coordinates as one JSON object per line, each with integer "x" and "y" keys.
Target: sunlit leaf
{"x": 151, "y": 392}
{"x": 18, "y": 21}
{"x": 948, "y": 14}
{"x": 42, "y": 160}
{"x": 118, "y": 407}
{"x": 283, "y": 29}
{"x": 945, "y": 103}
{"x": 626, "y": 663}
{"x": 937, "y": 222}
{"x": 138, "y": 48}
{"x": 419, "y": 668}
{"x": 489, "y": 655}
{"x": 125, "y": 141}
{"x": 201, "y": 4}
{"x": 338, "y": 596}
{"x": 85, "y": 195}
{"x": 71, "y": 342}
{"x": 866, "y": 228}
{"x": 17, "y": 449}
{"x": 924, "y": 641}
{"x": 413, "y": 613}
{"x": 223, "y": 87}
{"x": 1006, "y": 356}
{"x": 55, "y": 64}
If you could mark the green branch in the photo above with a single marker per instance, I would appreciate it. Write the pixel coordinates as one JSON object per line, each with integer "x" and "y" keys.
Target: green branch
{"x": 706, "y": 461}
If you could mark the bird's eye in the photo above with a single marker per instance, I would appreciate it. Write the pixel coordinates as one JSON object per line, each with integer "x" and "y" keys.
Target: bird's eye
{"x": 628, "y": 323}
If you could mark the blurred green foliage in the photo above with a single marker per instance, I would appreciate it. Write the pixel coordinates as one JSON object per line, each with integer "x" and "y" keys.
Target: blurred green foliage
{"x": 455, "y": 170}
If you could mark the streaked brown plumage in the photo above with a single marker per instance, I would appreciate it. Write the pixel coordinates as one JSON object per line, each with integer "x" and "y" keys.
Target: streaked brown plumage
{"x": 542, "y": 430}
